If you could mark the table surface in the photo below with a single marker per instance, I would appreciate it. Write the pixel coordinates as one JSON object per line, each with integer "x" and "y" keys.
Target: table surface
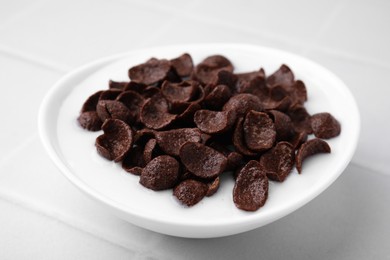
{"x": 45, "y": 217}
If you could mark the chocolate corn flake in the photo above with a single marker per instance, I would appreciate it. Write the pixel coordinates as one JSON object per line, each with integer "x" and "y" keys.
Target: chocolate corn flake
{"x": 243, "y": 103}
{"x": 110, "y": 94}
{"x": 278, "y": 162}
{"x": 283, "y": 77}
{"x": 90, "y": 120}
{"x": 212, "y": 187}
{"x": 116, "y": 141}
{"x": 180, "y": 125}
{"x": 161, "y": 173}
{"x": 310, "y": 148}
{"x": 283, "y": 125}
{"x": 154, "y": 113}
{"x": 324, "y": 125}
{"x": 112, "y": 109}
{"x": 202, "y": 160}
{"x": 227, "y": 78}
{"x": 190, "y": 192}
{"x": 214, "y": 122}
{"x": 217, "y": 97}
{"x": 91, "y": 102}
{"x": 239, "y": 139}
{"x": 207, "y": 71}
{"x": 172, "y": 140}
{"x": 178, "y": 92}
{"x": 183, "y": 65}
{"x": 133, "y": 101}
{"x": 300, "y": 118}
{"x": 151, "y": 72}
{"x": 117, "y": 84}
{"x": 250, "y": 191}
{"x": 259, "y": 131}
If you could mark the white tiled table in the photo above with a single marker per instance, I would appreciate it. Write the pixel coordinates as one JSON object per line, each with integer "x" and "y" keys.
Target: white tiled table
{"x": 43, "y": 216}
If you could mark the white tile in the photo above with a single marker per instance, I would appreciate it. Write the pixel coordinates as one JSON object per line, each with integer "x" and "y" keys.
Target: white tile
{"x": 11, "y": 10}
{"x": 187, "y": 30}
{"x": 72, "y": 34}
{"x": 292, "y": 21}
{"x": 361, "y": 28}
{"x": 29, "y": 179}
{"x": 28, "y": 235}
{"x": 368, "y": 85}
{"x": 23, "y": 86}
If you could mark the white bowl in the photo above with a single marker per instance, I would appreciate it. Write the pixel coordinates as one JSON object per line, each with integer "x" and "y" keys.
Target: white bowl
{"x": 72, "y": 148}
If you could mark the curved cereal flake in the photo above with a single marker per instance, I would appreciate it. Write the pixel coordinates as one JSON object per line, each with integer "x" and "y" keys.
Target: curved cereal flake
{"x": 259, "y": 131}
{"x": 250, "y": 190}
{"x": 161, "y": 173}
{"x": 277, "y": 93}
{"x": 148, "y": 150}
{"x": 300, "y": 118}
{"x": 90, "y": 120}
{"x": 189, "y": 192}
{"x": 91, "y": 102}
{"x": 183, "y": 65}
{"x": 212, "y": 187}
{"x": 324, "y": 125}
{"x": 136, "y": 87}
{"x": 197, "y": 98}
{"x": 121, "y": 85}
{"x": 133, "y": 159}
{"x": 188, "y": 114}
{"x": 136, "y": 170}
{"x": 133, "y": 101}
{"x": 309, "y": 148}
{"x": 112, "y": 109}
{"x": 227, "y": 78}
{"x": 110, "y": 94}
{"x": 298, "y": 92}
{"x": 297, "y": 139}
{"x": 143, "y": 135}
{"x": 242, "y": 103}
{"x": 150, "y": 72}
{"x": 235, "y": 160}
{"x": 217, "y": 97}
{"x": 256, "y": 87}
{"x": 202, "y": 160}
{"x": 248, "y": 76}
{"x": 283, "y": 77}
{"x": 171, "y": 141}
{"x": 283, "y": 125}
{"x": 281, "y": 105}
{"x": 116, "y": 141}
{"x": 154, "y": 113}
{"x": 239, "y": 141}
{"x": 207, "y": 71}
{"x": 214, "y": 122}
{"x": 178, "y": 92}
{"x": 279, "y": 161}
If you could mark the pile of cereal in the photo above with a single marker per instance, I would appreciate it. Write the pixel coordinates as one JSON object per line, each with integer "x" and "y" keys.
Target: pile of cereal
{"x": 180, "y": 126}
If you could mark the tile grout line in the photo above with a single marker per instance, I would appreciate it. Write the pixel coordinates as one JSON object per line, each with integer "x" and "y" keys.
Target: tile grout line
{"x": 325, "y": 25}
{"x": 32, "y": 206}
{"x": 26, "y": 142}
{"x": 34, "y": 59}
{"x": 23, "y": 13}
{"x": 37, "y": 208}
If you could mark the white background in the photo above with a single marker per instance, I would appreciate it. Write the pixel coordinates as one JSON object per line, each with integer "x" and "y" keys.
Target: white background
{"x": 43, "y": 216}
